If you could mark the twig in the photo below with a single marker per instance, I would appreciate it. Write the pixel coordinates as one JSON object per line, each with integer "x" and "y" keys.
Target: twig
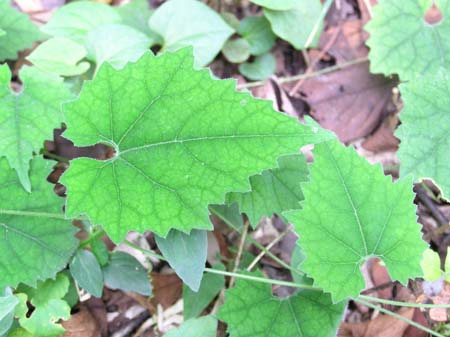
{"x": 369, "y": 7}
{"x": 400, "y": 317}
{"x": 322, "y": 53}
{"x": 268, "y": 247}
{"x": 239, "y": 252}
{"x": 294, "y": 78}
{"x": 431, "y": 206}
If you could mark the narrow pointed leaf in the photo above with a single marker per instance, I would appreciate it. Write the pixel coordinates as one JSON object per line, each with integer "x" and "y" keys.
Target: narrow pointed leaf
{"x": 182, "y": 141}
{"x": 402, "y": 42}
{"x": 36, "y": 241}
{"x": 352, "y": 212}
{"x": 27, "y": 118}
{"x": 273, "y": 191}
{"x": 425, "y": 130}
{"x": 251, "y": 310}
{"x": 86, "y": 270}
{"x": 186, "y": 254}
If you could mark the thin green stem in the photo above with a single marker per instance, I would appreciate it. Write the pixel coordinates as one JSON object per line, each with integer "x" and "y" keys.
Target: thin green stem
{"x": 403, "y": 304}
{"x": 400, "y": 317}
{"x": 143, "y": 250}
{"x": 307, "y": 75}
{"x": 35, "y": 214}
{"x": 94, "y": 236}
{"x": 262, "y": 279}
{"x": 318, "y": 22}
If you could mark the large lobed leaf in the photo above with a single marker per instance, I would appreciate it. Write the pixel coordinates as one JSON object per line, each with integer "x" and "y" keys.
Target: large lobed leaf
{"x": 402, "y": 42}
{"x": 182, "y": 140}
{"x": 251, "y": 310}
{"x": 425, "y": 130}
{"x": 36, "y": 241}
{"x": 27, "y": 118}
{"x": 352, "y": 212}
{"x": 17, "y": 32}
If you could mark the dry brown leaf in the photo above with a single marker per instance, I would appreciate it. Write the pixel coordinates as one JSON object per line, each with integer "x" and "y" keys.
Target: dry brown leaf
{"x": 351, "y": 102}
{"x": 383, "y": 138}
{"x": 81, "y": 324}
{"x": 167, "y": 289}
{"x": 381, "y": 326}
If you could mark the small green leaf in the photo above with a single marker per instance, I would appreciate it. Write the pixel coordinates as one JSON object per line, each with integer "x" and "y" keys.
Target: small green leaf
{"x": 19, "y": 32}
{"x": 261, "y": 68}
{"x": 402, "y": 42}
{"x": 27, "y": 252}
{"x": 256, "y": 30}
{"x": 86, "y": 270}
{"x": 353, "y": 212}
{"x": 424, "y": 133}
{"x": 279, "y": 5}
{"x": 100, "y": 251}
{"x": 236, "y": 50}
{"x": 186, "y": 254}
{"x": 60, "y": 56}
{"x": 49, "y": 308}
{"x": 184, "y": 23}
{"x": 273, "y": 191}
{"x": 297, "y": 259}
{"x": 229, "y": 214}
{"x": 195, "y": 302}
{"x": 179, "y": 137}
{"x": 124, "y": 272}
{"x": 251, "y": 310}
{"x": 116, "y": 44}
{"x": 296, "y": 24}
{"x": 136, "y": 14}
{"x": 27, "y": 118}
{"x": 76, "y": 19}
{"x": 205, "y": 326}
{"x": 20, "y": 332}
{"x": 8, "y": 303}
{"x": 447, "y": 265}
{"x": 431, "y": 265}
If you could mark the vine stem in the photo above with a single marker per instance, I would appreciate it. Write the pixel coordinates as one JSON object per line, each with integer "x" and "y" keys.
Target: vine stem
{"x": 35, "y": 214}
{"x": 403, "y": 304}
{"x": 94, "y": 236}
{"x": 262, "y": 279}
{"x": 315, "y": 29}
{"x": 400, "y": 317}
{"x": 282, "y": 80}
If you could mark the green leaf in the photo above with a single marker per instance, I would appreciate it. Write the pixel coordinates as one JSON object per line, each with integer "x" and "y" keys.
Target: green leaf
{"x": 205, "y": 326}
{"x": 256, "y": 30}
{"x": 19, "y": 32}
{"x": 431, "y": 265}
{"x": 425, "y": 129}
{"x": 136, "y": 14}
{"x": 49, "y": 308}
{"x": 273, "y": 191}
{"x": 27, "y": 252}
{"x": 86, "y": 270}
{"x": 229, "y": 214}
{"x": 28, "y": 118}
{"x": 402, "y": 42}
{"x": 8, "y": 303}
{"x": 280, "y": 5}
{"x": 251, "y": 310}
{"x": 353, "y": 212}
{"x": 76, "y": 19}
{"x": 195, "y": 302}
{"x": 296, "y": 24}
{"x": 447, "y": 265}
{"x": 236, "y": 50}
{"x": 179, "y": 137}
{"x": 116, "y": 44}
{"x": 100, "y": 251}
{"x": 297, "y": 259}
{"x": 186, "y": 254}
{"x": 184, "y": 23}
{"x": 124, "y": 272}
{"x": 261, "y": 68}
{"x": 60, "y": 56}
